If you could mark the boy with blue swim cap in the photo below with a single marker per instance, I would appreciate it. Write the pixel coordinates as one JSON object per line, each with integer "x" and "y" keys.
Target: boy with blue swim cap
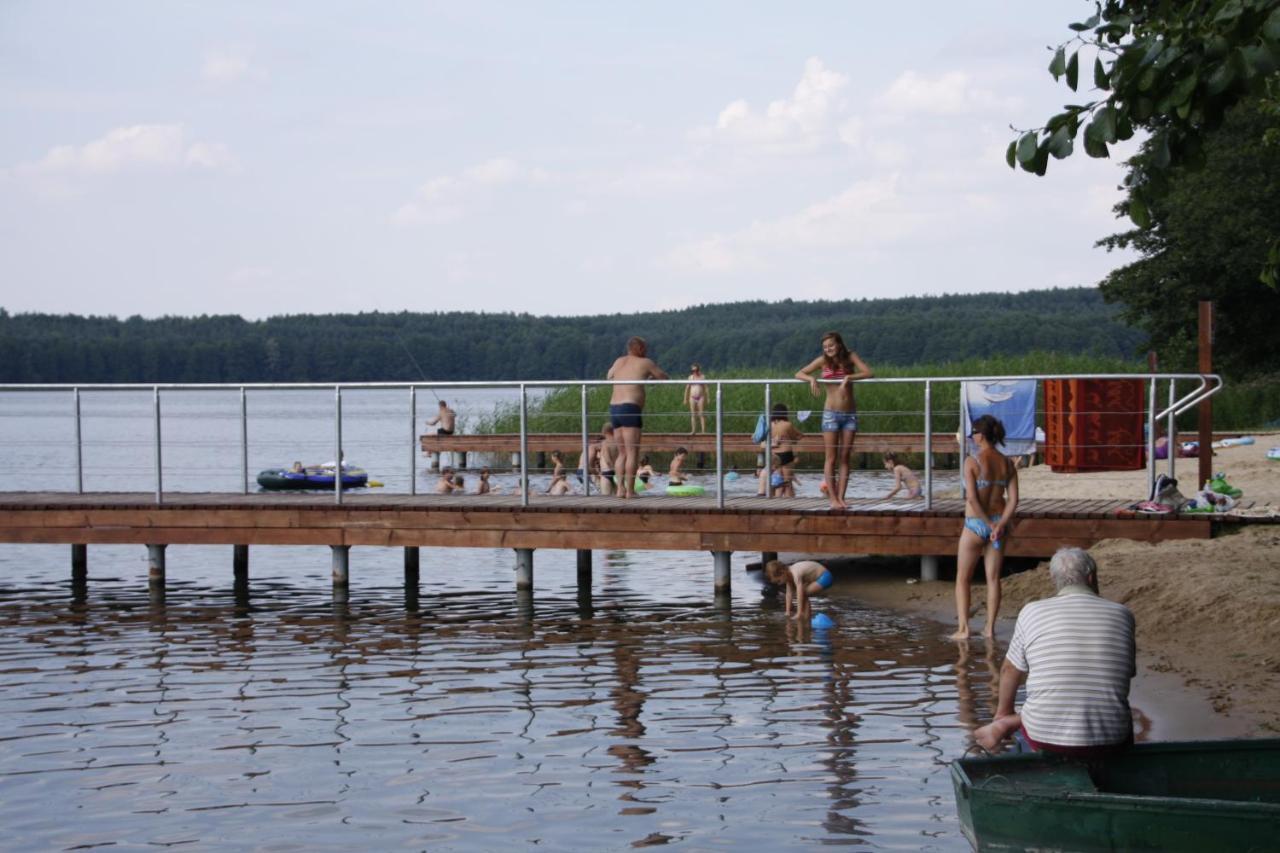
{"x": 801, "y": 580}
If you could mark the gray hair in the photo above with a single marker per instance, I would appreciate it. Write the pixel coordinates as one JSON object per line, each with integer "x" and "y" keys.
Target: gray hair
{"x": 1071, "y": 566}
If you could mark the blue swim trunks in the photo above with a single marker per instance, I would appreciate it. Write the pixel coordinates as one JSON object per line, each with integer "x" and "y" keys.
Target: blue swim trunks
{"x": 776, "y": 479}
{"x": 625, "y": 415}
{"x": 825, "y": 580}
{"x": 981, "y": 529}
{"x": 833, "y": 421}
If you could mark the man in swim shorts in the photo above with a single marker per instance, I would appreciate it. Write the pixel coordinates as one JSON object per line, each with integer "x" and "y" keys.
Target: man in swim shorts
{"x": 446, "y": 418}
{"x": 801, "y": 580}
{"x": 625, "y": 408}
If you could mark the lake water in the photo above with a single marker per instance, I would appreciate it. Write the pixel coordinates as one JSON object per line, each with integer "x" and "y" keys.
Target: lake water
{"x": 462, "y": 716}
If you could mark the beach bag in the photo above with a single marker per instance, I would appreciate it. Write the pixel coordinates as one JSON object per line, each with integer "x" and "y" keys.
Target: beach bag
{"x": 762, "y": 429}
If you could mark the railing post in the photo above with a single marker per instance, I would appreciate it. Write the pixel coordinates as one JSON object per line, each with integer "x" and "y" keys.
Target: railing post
{"x": 768, "y": 441}
{"x": 159, "y": 461}
{"x": 413, "y": 440}
{"x": 244, "y": 442}
{"x": 1171, "y": 431}
{"x": 928, "y": 444}
{"x": 337, "y": 442}
{"x": 79, "y": 445}
{"x": 586, "y": 448}
{"x": 719, "y": 447}
{"x": 524, "y": 446}
{"x": 1151, "y": 433}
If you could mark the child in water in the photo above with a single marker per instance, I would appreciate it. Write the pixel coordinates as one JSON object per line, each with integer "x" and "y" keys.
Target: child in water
{"x": 675, "y": 476}
{"x": 800, "y": 580}
{"x": 484, "y": 488}
{"x": 903, "y": 477}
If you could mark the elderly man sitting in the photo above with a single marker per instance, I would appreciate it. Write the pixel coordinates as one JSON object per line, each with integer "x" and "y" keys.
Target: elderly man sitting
{"x": 1076, "y": 653}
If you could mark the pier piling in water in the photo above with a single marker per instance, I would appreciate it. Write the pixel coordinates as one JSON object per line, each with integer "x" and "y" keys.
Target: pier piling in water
{"x": 155, "y": 565}
{"x": 412, "y": 563}
{"x": 721, "y": 559}
{"x": 240, "y": 562}
{"x": 766, "y": 557}
{"x": 524, "y": 568}
{"x": 341, "y": 562}
{"x": 79, "y": 563}
{"x": 584, "y": 568}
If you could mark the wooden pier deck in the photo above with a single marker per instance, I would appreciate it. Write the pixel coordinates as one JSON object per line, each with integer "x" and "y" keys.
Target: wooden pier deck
{"x": 872, "y": 526}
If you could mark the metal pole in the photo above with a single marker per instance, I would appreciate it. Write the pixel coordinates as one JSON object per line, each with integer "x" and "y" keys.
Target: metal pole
{"x": 1151, "y": 434}
{"x": 79, "y": 445}
{"x": 1171, "y": 431}
{"x": 768, "y": 442}
{"x": 337, "y": 444}
{"x": 586, "y": 447}
{"x": 159, "y": 463}
{"x": 244, "y": 442}
{"x": 719, "y": 447}
{"x": 413, "y": 440}
{"x": 524, "y": 447}
{"x": 928, "y": 445}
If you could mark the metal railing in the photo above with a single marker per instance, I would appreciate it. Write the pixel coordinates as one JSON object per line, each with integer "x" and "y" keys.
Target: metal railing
{"x": 1206, "y": 386}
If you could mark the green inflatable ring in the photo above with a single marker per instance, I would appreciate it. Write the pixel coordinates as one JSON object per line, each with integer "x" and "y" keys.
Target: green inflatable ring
{"x": 639, "y": 485}
{"x": 686, "y": 491}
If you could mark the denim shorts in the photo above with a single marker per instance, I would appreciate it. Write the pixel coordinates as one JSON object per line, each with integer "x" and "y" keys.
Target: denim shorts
{"x": 833, "y": 421}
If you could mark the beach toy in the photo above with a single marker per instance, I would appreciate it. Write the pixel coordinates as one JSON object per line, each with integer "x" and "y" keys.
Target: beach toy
{"x": 688, "y": 490}
{"x": 733, "y": 475}
{"x": 1235, "y": 442}
{"x": 1274, "y": 454}
{"x": 822, "y": 621}
{"x": 1220, "y": 485}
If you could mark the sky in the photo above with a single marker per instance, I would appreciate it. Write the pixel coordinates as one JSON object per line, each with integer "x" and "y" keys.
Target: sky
{"x": 554, "y": 158}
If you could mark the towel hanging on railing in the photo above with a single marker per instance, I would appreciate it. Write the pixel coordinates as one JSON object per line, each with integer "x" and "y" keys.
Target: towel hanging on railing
{"x": 1012, "y": 401}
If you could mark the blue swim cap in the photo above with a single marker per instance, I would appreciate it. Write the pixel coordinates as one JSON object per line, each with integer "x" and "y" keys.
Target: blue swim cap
{"x": 822, "y": 620}
{"x": 732, "y": 475}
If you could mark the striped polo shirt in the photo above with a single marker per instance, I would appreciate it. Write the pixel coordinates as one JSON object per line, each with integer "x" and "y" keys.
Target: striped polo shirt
{"x": 1077, "y": 649}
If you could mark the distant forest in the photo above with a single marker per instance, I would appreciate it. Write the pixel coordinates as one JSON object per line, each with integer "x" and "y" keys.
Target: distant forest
{"x": 477, "y": 346}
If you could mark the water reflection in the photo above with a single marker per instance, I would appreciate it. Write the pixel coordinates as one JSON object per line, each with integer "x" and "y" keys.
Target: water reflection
{"x": 643, "y": 712}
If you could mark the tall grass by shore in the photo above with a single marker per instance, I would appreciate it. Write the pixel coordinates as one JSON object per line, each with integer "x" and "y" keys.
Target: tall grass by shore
{"x": 882, "y": 407}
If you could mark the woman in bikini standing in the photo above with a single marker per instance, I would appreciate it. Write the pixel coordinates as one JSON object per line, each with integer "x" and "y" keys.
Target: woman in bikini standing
{"x": 990, "y": 502}
{"x": 695, "y": 397}
{"x": 840, "y": 414}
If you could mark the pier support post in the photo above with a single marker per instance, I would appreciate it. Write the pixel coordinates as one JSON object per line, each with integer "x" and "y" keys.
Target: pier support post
{"x": 79, "y": 563}
{"x": 928, "y": 568}
{"x": 240, "y": 562}
{"x": 155, "y": 565}
{"x": 341, "y": 562}
{"x": 584, "y": 568}
{"x": 766, "y": 557}
{"x": 721, "y": 559}
{"x": 411, "y": 565}
{"x": 524, "y": 568}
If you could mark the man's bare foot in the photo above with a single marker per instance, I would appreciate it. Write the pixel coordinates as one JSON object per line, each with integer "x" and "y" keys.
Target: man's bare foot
{"x": 962, "y": 634}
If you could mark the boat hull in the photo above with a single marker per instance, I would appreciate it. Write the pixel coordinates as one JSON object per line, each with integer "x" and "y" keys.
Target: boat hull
{"x": 1198, "y": 795}
{"x": 284, "y": 479}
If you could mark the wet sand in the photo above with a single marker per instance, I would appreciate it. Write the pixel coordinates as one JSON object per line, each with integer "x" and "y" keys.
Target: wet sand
{"x": 1208, "y": 612}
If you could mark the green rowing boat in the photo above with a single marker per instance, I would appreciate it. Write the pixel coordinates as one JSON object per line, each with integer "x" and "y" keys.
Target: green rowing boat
{"x": 1192, "y": 795}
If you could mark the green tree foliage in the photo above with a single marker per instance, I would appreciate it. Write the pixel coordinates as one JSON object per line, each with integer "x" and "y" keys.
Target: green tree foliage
{"x": 1210, "y": 229}
{"x": 454, "y": 346}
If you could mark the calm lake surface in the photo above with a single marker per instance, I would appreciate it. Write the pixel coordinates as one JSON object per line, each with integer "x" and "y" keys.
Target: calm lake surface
{"x": 461, "y": 716}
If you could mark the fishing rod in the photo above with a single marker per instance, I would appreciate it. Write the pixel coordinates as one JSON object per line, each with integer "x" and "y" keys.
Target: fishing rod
{"x": 422, "y": 373}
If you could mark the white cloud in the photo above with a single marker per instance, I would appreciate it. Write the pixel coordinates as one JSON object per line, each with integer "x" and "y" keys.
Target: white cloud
{"x": 449, "y": 197}
{"x": 227, "y": 65}
{"x": 139, "y": 148}
{"x": 948, "y": 94}
{"x": 801, "y": 121}
{"x": 868, "y": 213}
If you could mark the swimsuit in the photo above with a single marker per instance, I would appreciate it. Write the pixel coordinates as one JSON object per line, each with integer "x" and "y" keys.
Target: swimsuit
{"x": 644, "y": 478}
{"x": 833, "y": 421}
{"x": 608, "y": 473}
{"x": 776, "y": 480}
{"x": 786, "y": 457}
{"x": 625, "y": 415}
{"x": 980, "y": 528}
{"x": 443, "y": 431}
{"x": 825, "y": 580}
{"x": 913, "y": 493}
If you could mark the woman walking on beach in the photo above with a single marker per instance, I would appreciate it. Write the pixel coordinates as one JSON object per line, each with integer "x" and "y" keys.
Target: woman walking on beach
{"x": 990, "y": 502}
{"x": 840, "y": 413}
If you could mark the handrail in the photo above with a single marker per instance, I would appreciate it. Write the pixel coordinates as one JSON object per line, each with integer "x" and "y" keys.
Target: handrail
{"x": 1208, "y": 385}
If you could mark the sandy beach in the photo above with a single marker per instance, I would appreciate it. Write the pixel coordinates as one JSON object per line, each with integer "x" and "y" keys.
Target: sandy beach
{"x": 1208, "y": 611}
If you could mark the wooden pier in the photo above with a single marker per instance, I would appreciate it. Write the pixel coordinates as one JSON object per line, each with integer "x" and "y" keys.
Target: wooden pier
{"x": 872, "y": 526}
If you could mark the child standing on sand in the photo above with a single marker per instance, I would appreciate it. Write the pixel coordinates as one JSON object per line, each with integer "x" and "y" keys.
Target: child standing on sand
{"x": 801, "y": 580}
{"x": 903, "y": 477}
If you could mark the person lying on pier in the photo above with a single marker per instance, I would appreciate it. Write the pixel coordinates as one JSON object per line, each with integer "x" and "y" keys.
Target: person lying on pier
{"x": 1075, "y": 651}
{"x": 606, "y": 452}
{"x": 447, "y": 419}
{"x": 903, "y": 477}
{"x": 675, "y": 475}
{"x": 800, "y": 580}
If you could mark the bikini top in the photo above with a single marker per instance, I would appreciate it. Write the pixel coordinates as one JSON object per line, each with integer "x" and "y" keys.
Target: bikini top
{"x": 838, "y": 373}
{"x": 982, "y": 483}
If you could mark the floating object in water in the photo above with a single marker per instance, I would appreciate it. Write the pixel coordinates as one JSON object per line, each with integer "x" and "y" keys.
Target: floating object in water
{"x": 688, "y": 490}
{"x": 822, "y": 621}
{"x": 637, "y": 485}
{"x": 733, "y": 475}
{"x": 312, "y": 477}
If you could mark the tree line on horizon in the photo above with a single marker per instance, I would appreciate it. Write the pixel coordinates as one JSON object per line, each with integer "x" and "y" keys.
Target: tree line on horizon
{"x": 477, "y": 346}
